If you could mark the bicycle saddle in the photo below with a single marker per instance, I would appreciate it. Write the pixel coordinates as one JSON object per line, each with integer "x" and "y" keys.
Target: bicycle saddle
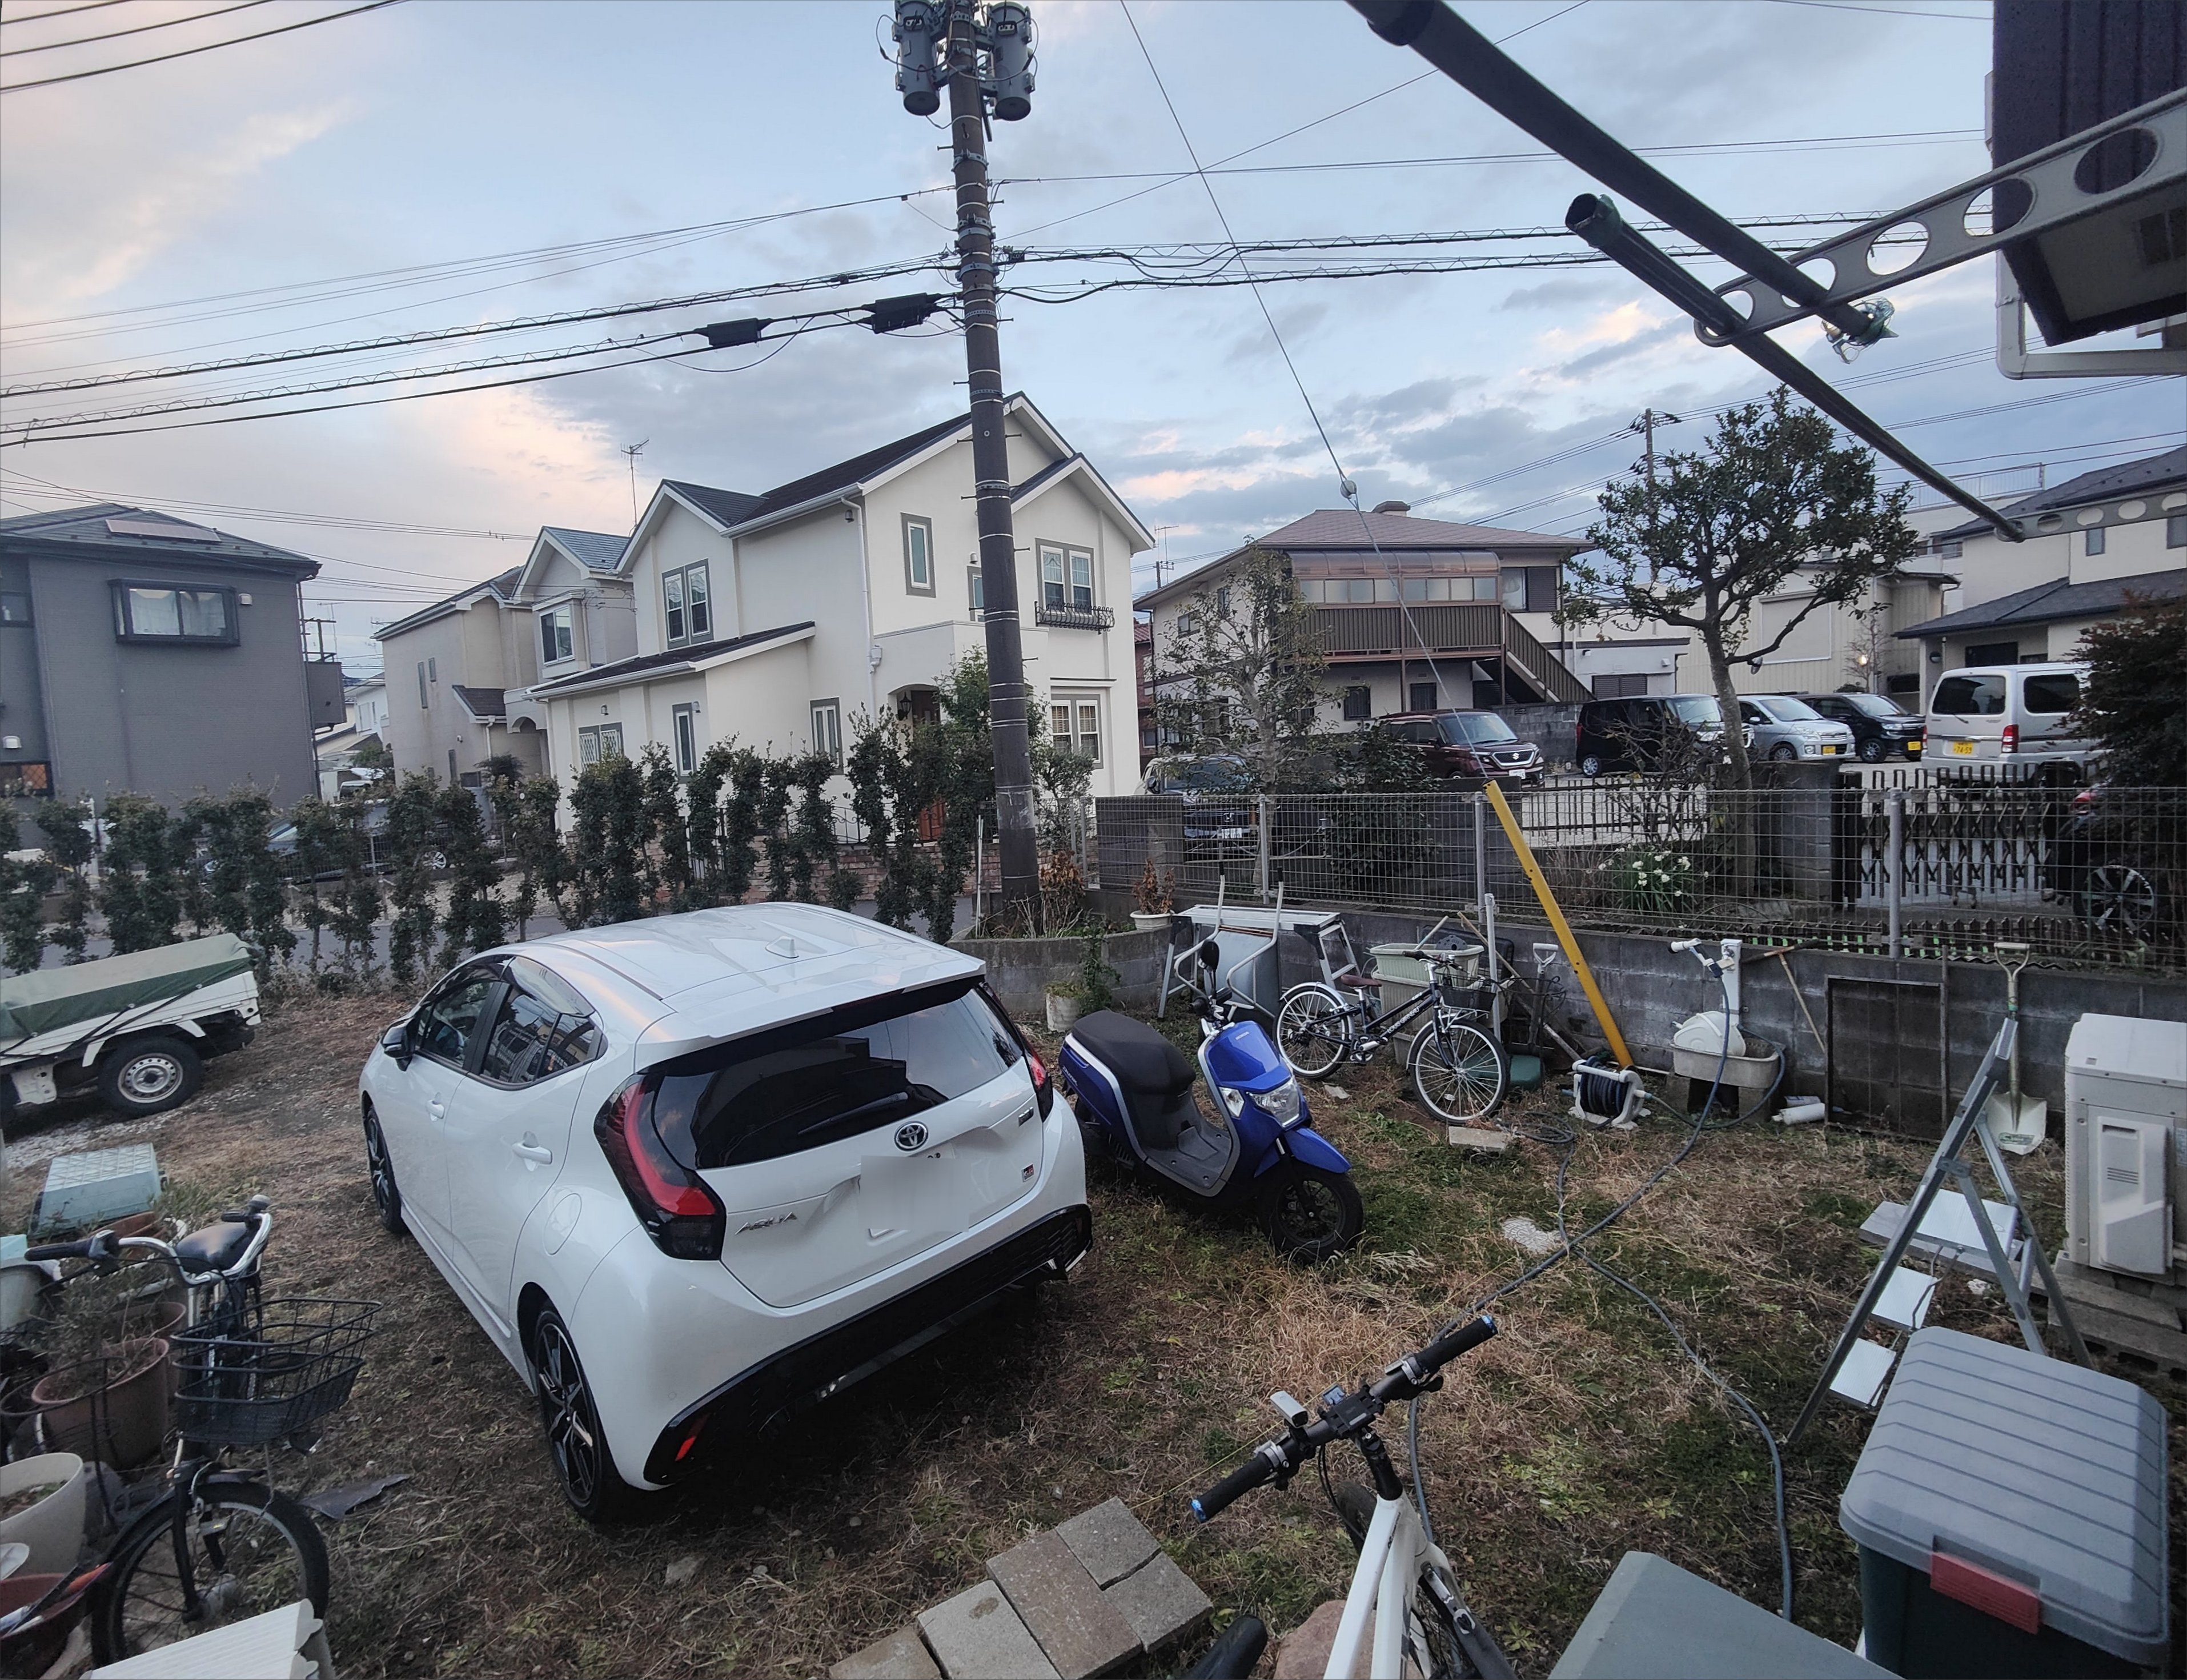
{"x": 214, "y": 1249}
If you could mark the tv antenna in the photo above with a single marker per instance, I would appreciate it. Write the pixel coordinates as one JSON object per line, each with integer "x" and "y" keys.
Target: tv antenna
{"x": 631, "y": 452}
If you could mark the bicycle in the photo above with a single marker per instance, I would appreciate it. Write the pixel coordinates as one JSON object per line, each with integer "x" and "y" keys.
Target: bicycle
{"x": 248, "y": 1373}
{"x": 1403, "y": 1579}
{"x": 1459, "y": 1070}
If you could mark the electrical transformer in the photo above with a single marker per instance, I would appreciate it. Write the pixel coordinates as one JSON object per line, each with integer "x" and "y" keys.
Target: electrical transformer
{"x": 2126, "y": 1146}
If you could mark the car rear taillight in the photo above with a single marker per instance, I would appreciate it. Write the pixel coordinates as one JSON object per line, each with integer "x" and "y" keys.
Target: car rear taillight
{"x": 2010, "y": 741}
{"x": 684, "y": 1218}
{"x": 1043, "y": 1088}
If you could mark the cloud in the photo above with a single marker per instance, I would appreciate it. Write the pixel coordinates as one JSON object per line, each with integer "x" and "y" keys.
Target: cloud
{"x": 1557, "y": 293}
{"x": 1638, "y": 343}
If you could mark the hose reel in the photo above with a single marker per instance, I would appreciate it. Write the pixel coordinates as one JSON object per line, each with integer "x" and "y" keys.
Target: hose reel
{"x": 1605, "y": 1094}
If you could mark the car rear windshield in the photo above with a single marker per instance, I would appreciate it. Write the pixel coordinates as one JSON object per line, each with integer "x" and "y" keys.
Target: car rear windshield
{"x": 1786, "y": 709}
{"x": 811, "y": 1083}
{"x": 1475, "y": 730}
{"x": 2057, "y": 691}
{"x": 1969, "y": 697}
{"x": 1210, "y": 775}
{"x": 1876, "y": 705}
{"x": 1697, "y": 710}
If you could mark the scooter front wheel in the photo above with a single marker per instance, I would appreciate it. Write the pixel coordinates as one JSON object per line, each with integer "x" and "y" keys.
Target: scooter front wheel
{"x": 1310, "y": 1215}
{"x": 1314, "y": 1029}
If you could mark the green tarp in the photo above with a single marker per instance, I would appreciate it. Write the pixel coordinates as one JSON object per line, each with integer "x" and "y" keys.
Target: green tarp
{"x": 48, "y": 999}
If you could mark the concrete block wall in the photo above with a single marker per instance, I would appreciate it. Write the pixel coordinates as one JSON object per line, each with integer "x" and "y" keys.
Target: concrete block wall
{"x": 1019, "y": 968}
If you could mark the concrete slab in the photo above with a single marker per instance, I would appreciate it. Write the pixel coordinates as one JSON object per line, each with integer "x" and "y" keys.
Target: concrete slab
{"x": 1110, "y": 1541}
{"x": 978, "y": 1636}
{"x": 1160, "y": 1602}
{"x": 1081, "y": 1634}
{"x": 1486, "y": 1141}
{"x": 901, "y": 1656}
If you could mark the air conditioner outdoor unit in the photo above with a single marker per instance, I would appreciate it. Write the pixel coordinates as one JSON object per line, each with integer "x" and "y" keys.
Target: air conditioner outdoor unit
{"x": 2126, "y": 1146}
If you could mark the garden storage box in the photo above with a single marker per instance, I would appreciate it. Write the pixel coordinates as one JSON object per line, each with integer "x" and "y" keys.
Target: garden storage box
{"x": 2009, "y": 1512}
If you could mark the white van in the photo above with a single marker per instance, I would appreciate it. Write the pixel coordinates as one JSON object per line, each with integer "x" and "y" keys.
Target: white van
{"x": 2016, "y": 716}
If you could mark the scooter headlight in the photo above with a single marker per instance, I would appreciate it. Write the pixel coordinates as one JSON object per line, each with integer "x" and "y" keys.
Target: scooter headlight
{"x": 1282, "y": 1104}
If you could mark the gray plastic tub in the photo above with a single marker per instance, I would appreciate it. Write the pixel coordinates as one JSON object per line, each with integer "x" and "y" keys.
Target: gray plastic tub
{"x": 1999, "y": 1489}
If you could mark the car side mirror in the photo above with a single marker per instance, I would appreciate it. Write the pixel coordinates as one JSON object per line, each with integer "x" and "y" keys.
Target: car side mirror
{"x": 395, "y": 1040}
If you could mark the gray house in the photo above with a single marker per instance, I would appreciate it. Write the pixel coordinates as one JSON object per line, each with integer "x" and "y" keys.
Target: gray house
{"x": 140, "y": 652}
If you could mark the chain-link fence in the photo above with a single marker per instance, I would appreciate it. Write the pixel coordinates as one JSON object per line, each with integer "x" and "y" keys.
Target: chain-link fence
{"x": 1933, "y": 870}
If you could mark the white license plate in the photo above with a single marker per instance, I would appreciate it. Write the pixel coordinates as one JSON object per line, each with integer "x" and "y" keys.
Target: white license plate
{"x": 1964, "y": 748}
{"x": 902, "y": 1193}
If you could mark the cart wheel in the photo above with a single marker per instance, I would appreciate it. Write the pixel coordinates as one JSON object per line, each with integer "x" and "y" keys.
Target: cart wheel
{"x": 149, "y": 1076}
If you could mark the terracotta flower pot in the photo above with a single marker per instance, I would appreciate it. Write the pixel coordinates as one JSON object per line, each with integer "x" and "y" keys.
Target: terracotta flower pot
{"x": 120, "y": 1422}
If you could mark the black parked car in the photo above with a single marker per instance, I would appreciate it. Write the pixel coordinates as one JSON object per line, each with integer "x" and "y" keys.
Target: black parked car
{"x": 1647, "y": 732}
{"x": 1880, "y": 726}
{"x": 2117, "y": 861}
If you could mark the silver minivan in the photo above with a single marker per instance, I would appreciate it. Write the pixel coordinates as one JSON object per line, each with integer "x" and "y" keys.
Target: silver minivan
{"x": 2018, "y": 717}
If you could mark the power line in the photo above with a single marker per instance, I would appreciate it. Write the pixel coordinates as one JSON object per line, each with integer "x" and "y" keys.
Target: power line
{"x": 141, "y": 29}
{"x": 1890, "y": 11}
{"x": 61, "y": 11}
{"x": 191, "y": 52}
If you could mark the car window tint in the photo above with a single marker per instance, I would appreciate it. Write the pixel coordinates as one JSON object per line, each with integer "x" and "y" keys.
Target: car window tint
{"x": 1969, "y": 697}
{"x": 447, "y": 1026}
{"x": 532, "y": 1040}
{"x": 815, "y": 1083}
{"x": 1697, "y": 710}
{"x": 2057, "y": 692}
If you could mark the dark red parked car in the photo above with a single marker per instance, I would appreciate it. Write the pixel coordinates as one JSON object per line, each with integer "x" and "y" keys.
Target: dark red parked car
{"x": 1473, "y": 746}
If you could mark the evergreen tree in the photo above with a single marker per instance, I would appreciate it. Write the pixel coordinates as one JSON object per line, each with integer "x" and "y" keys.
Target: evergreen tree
{"x": 66, "y": 825}
{"x": 412, "y": 840}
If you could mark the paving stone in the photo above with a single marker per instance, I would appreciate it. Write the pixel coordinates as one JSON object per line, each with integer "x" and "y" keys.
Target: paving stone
{"x": 978, "y": 1636}
{"x": 1160, "y": 1602}
{"x": 901, "y": 1656}
{"x": 1302, "y": 1653}
{"x": 1110, "y": 1541}
{"x": 1081, "y": 1632}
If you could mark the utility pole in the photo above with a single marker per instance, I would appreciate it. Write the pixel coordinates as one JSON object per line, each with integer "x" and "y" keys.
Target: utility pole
{"x": 1645, "y": 424}
{"x": 1003, "y": 35}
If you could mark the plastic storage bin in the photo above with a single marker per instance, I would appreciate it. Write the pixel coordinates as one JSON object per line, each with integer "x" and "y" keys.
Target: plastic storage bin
{"x": 2009, "y": 1512}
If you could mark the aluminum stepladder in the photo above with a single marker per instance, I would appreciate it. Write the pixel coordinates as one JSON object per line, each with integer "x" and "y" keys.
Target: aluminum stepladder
{"x": 1949, "y": 1169}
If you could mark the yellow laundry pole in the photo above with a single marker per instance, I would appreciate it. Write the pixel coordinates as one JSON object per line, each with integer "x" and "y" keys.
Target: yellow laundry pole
{"x": 1573, "y": 954}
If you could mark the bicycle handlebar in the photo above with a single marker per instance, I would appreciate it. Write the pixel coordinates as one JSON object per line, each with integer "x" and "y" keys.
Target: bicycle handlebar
{"x": 1344, "y": 1415}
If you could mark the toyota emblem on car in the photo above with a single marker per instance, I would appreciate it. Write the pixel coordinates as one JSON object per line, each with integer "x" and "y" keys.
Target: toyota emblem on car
{"x": 911, "y": 1137}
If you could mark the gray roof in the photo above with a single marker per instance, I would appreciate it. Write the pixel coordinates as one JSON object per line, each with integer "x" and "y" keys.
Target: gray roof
{"x": 647, "y": 665}
{"x": 502, "y": 586}
{"x": 141, "y": 531}
{"x": 2052, "y": 603}
{"x": 2151, "y": 472}
{"x": 724, "y": 507}
{"x": 1342, "y": 528}
{"x": 735, "y": 507}
{"x": 596, "y": 550}
{"x": 483, "y": 704}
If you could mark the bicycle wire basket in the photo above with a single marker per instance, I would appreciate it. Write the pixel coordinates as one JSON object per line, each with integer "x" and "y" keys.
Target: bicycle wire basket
{"x": 234, "y": 1390}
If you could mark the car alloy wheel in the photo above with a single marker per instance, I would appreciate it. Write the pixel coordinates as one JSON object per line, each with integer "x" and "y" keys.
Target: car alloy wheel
{"x": 1784, "y": 752}
{"x": 1872, "y": 751}
{"x": 386, "y": 1194}
{"x": 582, "y": 1462}
{"x": 2121, "y": 899}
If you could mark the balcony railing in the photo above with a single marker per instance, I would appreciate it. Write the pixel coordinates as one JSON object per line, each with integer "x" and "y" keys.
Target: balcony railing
{"x": 1474, "y": 629}
{"x": 1061, "y": 617}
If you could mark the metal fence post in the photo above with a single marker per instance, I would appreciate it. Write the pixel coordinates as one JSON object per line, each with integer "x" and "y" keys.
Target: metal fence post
{"x": 1480, "y": 848}
{"x": 1261, "y": 860}
{"x": 1895, "y": 805}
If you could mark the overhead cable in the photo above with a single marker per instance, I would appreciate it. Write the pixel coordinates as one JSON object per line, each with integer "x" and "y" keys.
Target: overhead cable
{"x": 141, "y": 29}
{"x": 191, "y": 52}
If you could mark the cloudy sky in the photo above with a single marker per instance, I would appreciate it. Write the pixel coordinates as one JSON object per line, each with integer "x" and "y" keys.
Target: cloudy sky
{"x": 441, "y": 163}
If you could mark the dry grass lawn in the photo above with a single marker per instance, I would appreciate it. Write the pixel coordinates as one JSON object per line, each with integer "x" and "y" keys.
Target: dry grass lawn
{"x": 1577, "y": 1435}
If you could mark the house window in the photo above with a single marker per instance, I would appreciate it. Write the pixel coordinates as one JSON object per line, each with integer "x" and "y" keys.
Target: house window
{"x": 976, "y": 587}
{"x": 686, "y": 611}
{"x": 595, "y": 744}
{"x": 685, "y": 719}
{"x": 1530, "y": 589}
{"x": 1993, "y": 653}
{"x": 557, "y": 637}
{"x": 828, "y": 729}
{"x": 1076, "y": 726}
{"x": 1188, "y": 624}
{"x": 1950, "y": 551}
{"x": 1423, "y": 697}
{"x": 1223, "y": 602}
{"x": 159, "y": 612}
{"x": 2175, "y": 531}
{"x": 433, "y": 669}
{"x": 424, "y": 697}
{"x": 2092, "y": 540}
{"x": 452, "y": 766}
{"x": 14, "y": 609}
{"x": 918, "y": 556}
{"x": 1358, "y": 703}
{"x": 1617, "y": 686}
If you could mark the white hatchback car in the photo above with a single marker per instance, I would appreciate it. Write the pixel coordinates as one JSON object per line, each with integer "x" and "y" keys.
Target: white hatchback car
{"x": 694, "y": 1173}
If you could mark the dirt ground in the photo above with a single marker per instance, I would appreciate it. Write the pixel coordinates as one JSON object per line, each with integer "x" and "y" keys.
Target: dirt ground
{"x": 1577, "y": 1435}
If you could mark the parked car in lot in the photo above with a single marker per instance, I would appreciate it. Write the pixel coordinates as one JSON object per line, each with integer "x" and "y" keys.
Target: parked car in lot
{"x": 694, "y": 1173}
{"x": 2119, "y": 862}
{"x": 1478, "y": 746}
{"x": 1646, "y": 732}
{"x": 1781, "y": 728}
{"x": 2014, "y": 717}
{"x": 1217, "y": 791}
{"x": 1880, "y": 726}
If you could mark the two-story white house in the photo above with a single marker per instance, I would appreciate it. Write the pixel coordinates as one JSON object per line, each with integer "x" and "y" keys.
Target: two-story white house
{"x": 777, "y": 619}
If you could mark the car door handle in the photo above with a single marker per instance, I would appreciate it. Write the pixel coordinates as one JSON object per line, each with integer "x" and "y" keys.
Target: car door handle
{"x": 437, "y": 1108}
{"x": 531, "y": 1151}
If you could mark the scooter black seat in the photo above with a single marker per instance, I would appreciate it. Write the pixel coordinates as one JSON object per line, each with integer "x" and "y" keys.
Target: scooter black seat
{"x": 1153, "y": 1074}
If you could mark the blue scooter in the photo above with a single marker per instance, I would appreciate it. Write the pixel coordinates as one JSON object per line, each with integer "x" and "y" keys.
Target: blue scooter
{"x": 1252, "y": 1146}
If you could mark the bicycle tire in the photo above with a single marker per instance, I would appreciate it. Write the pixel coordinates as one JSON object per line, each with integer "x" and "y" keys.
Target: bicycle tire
{"x": 1300, "y": 1037}
{"x": 1453, "y": 1652}
{"x": 140, "y": 1605}
{"x": 1459, "y": 1073}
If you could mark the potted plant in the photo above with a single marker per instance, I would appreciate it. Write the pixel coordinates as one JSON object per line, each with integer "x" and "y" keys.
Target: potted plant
{"x": 42, "y": 1507}
{"x": 1154, "y": 897}
{"x": 112, "y": 1407}
{"x": 1060, "y": 999}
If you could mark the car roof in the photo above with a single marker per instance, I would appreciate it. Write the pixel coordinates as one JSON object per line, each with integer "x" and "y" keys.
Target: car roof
{"x": 705, "y": 975}
{"x": 2035, "y": 668}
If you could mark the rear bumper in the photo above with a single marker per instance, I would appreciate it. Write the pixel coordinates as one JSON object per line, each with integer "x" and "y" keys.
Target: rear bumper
{"x": 808, "y": 1371}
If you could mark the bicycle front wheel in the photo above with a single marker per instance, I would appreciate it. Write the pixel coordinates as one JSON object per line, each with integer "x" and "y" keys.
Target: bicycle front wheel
{"x": 1313, "y": 1030}
{"x": 244, "y": 1549}
{"x": 1460, "y": 1072}
{"x": 1450, "y": 1642}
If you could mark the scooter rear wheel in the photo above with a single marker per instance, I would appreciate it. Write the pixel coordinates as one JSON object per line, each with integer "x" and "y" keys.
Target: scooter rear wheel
{"x": 1310, "y": 1215}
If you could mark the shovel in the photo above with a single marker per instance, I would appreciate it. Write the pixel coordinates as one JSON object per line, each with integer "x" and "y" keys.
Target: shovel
{"x": 2018, "y": 1122}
